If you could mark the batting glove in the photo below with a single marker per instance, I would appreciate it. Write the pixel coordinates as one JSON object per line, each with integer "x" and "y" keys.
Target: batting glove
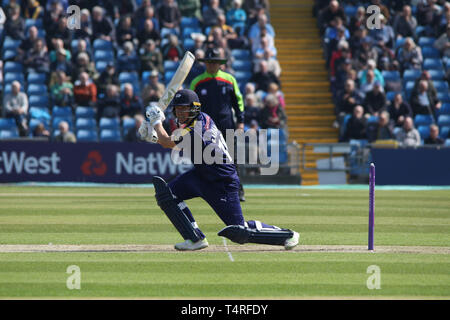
{"x": 155, "y": 115}
{"x": 148, "y": 133}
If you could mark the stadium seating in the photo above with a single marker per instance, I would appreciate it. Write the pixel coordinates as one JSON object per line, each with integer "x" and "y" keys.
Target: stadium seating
{"x": 423, "y": 120}
{"x": 109, "y": 123}
{"x": 110, "y": 135}
{"x": 84, "y": 135}
{"x": 84, "y": 112}
{"x": 424, "y": 131}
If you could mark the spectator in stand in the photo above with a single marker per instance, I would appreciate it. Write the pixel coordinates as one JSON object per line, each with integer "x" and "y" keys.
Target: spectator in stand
{"x": 60, "y": 31}
{"x": 107, "y": 77}
{"x": 382, "y": 129}
{"x": 36, "y": 60}
{"x": 84, "y": 65}
{"x": 383, "y": 36}
{"x": 139, "y": 14}
{"x": 10, "y": 6}
{"x": 257, "y": 43}
{"x": 328, "y": 14}
{"x": 405, "y": 24}
{"x": 85, "y": 91}
{"x": 422, "y": 102}
{"x": 62, "y": 91}
{"x": 275, "y": 90}
{"x": 172, "y": 50}
{"x": 125, "y": 32}
{"x": 349, "y": 99}
{"x": 102, "y": 27}
{"x": 383, "y": 9}
{"x": 211, "y": 13}
{"x": 427, "y": 14}
{"x": 252, "y": 111}
{"x": 434, "y": 136}
{"x": 332, "y": 32}
{"x": 149, "y": 13}
{"x": 27, "y": 44}
{"x": 339, "y": 56}
{"x": 236, "y": 15}
{"x": 58, "y": 44}
{"x": 154, "y": 90}
{"x": 409, "y": 55}
{"x": 272, "y": 115}
{"x": 133, "y": 134}
{"x": 369, "y": 83}
{"x": 61, "y": 64}
{"x": 169, "y": 15}
{"x": 130, "y": 103}
{"x": 15, "y": 25}
{"x": 85, "y": 31}
{"x": 65, "y": 135}
{"x": 371, "y": 66}
{"x": 190, "y": 8}
{"x": 408, "y": 136}
{"x": 356, "y": 39}
{"x": 52, "y": 14}
{"x": 443, "y": 43}
{"x": 151, "y": 58}
{"x": 227, "y": 31}
{"x": 81, "y": 47}
{"x": 425, "y": 75}
{"x": 254, "y": 8}
{"x": 375, "y": 100}
{"x": 399, "y": 110}
{"x": 128, "y": 61}
{"x": 264, "y": 52}
{"x": 365, "y": 53}
{"x": 443, "y": 19}
{"x": 356, "y": 127}
{"x": 41, "y": 132}
{"x": 16, "y": 106}
{"x": 264, "y": 77}
{"x": 199, "y": 67}
{"x": 255, "y": 30}
{"x": 148, "y": 33}
{"x": 109, "y": 106}
{"x": 199, "y": 42}
{"x": 358, "y": 21}
{"x": 387, "y": 60}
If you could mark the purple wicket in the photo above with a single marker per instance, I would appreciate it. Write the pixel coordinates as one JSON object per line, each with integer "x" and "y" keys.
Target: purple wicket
{"x": 371, "y": 205}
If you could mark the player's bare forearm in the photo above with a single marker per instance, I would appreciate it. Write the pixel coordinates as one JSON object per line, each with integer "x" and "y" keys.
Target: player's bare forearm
{"x": 163, "y": 138}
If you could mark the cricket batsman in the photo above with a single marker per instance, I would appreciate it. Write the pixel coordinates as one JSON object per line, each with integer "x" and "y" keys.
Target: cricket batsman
{"x": 217, "y": 183}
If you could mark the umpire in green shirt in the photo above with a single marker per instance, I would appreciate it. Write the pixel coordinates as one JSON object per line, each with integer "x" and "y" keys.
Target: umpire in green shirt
{"x": 219, "y": 95}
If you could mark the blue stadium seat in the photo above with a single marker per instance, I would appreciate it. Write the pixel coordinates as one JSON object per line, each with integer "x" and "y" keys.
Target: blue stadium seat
{"x": 168, "y": 76}
{"x": 443, "y": 120}
{"x": 191, "y": 22}
{"x": 36, "y": 89}
{"x": 9, "y": 54}
{"x": 350, "y": 10}
{"x": 40, "y": 113}
{"x": 85, "y": 124}
{"x": 100, "y": 44}
{"x": 436, "y": 74}
{"x": 84, "y": 112}
{"x": 424, "y": 132}
{"x": 411, "y": 75}
{"x": 36, "y": 78}
{"x": 10, "y": 44}
{"x": 62, "y": 112}
{"x": 441, "y": 86}
{"x": 104, "y": 55}
{"x": 430, "y": 52}
{"x": 391, "y": 75}
{"x": 109, "y": 123}
{"x": 390, "y": 95}
{"x": 189, "y": 30}
{"x": 445, "y": 109}
{"x": 170, "y": 65}
{"x": 131, "y": 77}
{"x": 108, "y": 135}
{"x": 242, "y": 76}
{"x": 426, "y": 41}
{"x": 444, "y": 97}
{"x": 408, "y": 89}
{"x": 423, "y": 120}
{"x": 38, "y": 23}
{"x": 14, "y": 76}
{"x": 444, "y": 132}
{"x": 7, "y": 124}
{"x": 87, "y": 135}
{"x": 188, "y": 43}
{"x": 38, "y": 101}
{"x": 33, "y": 123}
{"x": 432, "y": 63}
{"x": 399, "y": 42}
{"x": 101, "y": 65}
{"x": 447, "y": 142}
{"x": 372, "y": 119}
{"x": 11, "y": 66}
{"x": 127, "y": 124}
{"x": 242, "y": 65}
{"x": 9, "y": 134}
{"x": 240, "y": 54}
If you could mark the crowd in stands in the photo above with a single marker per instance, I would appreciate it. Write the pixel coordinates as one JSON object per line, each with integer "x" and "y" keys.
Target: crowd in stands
{"x": 390, "y": 75}
{"x": 91, "y": 79}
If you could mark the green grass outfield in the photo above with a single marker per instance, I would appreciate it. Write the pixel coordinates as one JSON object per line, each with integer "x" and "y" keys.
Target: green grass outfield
{"x": 412, "y": 235}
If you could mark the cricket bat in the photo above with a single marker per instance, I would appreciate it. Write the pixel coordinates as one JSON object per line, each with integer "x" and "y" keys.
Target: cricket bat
{"x": 177, "y": 80}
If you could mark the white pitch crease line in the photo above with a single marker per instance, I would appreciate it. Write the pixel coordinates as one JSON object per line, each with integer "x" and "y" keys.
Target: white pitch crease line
{"x": 226, "y": 249}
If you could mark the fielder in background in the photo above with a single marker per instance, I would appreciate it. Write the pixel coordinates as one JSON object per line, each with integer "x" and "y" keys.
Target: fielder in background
{"x": 219, "y": 95}
{"x": 217, "y": 183}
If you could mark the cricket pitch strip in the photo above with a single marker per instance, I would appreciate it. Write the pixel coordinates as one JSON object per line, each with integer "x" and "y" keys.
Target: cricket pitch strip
{"x": 22, "y": 248}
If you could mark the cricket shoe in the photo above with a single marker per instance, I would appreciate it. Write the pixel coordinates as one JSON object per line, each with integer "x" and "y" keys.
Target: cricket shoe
{"x": 292, "y": 241}
{"x": 188, "y": 245}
